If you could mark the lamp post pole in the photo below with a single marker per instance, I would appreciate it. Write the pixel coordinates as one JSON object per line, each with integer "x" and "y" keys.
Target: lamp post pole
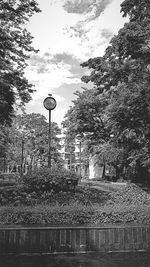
{"x": 49, "y": 141}
{"x": 79, "y": 136}
{"x": 49, "y": 103}
{"x": 22, "y": 151}
{"x": 80, "y": 157}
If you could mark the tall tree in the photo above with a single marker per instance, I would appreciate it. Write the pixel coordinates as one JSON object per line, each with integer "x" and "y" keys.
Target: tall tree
{"x": 124, "y": 70}
{"x": 15, "y": 48}
{"x": 127, "y": 58}
{"x": 121, "y": 78}
{"x": 86, "y": 116}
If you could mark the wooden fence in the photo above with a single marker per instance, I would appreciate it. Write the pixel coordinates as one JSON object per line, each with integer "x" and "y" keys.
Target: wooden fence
{"x": 28, "y": 240}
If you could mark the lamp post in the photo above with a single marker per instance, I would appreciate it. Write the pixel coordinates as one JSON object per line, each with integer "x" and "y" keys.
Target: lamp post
{"x": 22, "y": 156}
{"x": 79, "y": 137}
{"x": 80, "y": 156}
{"x": 49, "y": 103}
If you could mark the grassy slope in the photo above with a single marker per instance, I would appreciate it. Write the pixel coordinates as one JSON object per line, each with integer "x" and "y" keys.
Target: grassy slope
{"x": 89, "y": 205}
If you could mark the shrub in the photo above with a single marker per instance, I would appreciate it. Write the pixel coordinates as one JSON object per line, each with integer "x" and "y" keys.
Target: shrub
{"x": 9, "y": 177}
{"x": 14, "y": 195}
{"x": 130, "y": 194}
{"x": 50, "y": 180}
{"x": 17, "y": 195}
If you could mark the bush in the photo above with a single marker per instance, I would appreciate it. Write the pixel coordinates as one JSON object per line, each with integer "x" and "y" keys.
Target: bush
{"x": 18, "y": 195}
{"x": 5, "y": 177}
{"x": 50, "y": 180}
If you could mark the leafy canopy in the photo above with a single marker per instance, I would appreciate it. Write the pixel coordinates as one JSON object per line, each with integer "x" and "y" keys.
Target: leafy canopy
{"x": 121, "y": 93}
{"x": 15, "y": 49}
{"x": 33, "y": 129}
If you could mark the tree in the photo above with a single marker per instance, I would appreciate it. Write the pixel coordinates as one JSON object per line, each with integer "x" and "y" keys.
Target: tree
{"x": 121, "y": 80}
{"x": 129, "y": 119}
{"x": 127, "y": 58}
{"x": 33, "y": 129}
{"x": 3, "y": 140}
{"x": 15, "y": 48}
{"x": 86, "y": 116}
{"x": 87, "y": 119}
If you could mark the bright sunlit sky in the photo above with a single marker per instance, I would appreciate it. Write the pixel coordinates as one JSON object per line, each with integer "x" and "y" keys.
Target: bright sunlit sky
{"x": 67, "y": 33}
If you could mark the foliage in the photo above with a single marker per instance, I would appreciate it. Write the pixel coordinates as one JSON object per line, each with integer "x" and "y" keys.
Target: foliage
{"x": 129, "y": 121}
{"x": 50, "y": 180}
{"x": 3, "y": 140}
{"x": 7, "y": 100}
{"x": 131, "y": 194}
{"x": 18, "y": 195}
{"x": 127, "y": 205}
{"x": 86, "y": 116}
{"x": 121, "y": 95}
{"x": 75, "y": 214}
{"x": 15, "y": 48}
{"x": 87, "y": 119}
{"x": 120, "y": 208}
{"x": 9, "y": 176}
{"x": 33, "y": 130}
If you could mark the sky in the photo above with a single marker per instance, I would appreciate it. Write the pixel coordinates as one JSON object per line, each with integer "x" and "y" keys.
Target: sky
{"x": 67, "y": 33}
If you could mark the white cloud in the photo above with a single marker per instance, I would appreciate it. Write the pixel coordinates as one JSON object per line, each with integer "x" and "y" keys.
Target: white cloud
{"x": 91, "y": 7}
{"x": 48, "y": 74}
{"x": 90, "y": 10}
{"x": 66, "y": 39}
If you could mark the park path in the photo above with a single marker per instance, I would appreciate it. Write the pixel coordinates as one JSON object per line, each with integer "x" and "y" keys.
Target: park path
{"x": 102, "y": 186}
{"x": 109, "y": 186}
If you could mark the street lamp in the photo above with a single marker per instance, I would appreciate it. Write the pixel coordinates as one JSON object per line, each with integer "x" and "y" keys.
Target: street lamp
{"x": 21, "y": 131}
{"x": 22, "y": 156}
{"x": 49, "y": 103}
{"x": 79, "y": 137}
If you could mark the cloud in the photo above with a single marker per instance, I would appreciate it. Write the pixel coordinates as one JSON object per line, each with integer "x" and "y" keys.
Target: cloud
{"x": 73, "y": 63}
{"x": 91, "y": 7}
{"x": 41, "y": 63}
{"x": 65, "y": 58}
{"x": 78, "y": 6}
{"x": 90, "y": 11}
{"x": 48, "y": 72}
{"x": 107, "y": 34}
{"x": 78, "y": 30}
{"x": 67, "y": 91}
{"x": 60, "y": 62}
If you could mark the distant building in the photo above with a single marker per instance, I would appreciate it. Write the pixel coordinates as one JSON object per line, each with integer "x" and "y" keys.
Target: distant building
{"x": 74, "y": 159}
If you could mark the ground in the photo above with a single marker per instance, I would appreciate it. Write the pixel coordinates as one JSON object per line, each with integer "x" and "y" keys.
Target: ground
{"x": 92, "y": 203}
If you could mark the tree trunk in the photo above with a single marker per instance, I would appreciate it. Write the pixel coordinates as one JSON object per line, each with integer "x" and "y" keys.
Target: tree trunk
{"x": 104, "y": 168}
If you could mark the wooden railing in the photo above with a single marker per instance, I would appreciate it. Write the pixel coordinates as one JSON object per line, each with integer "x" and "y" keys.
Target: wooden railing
{"x": 28, "y": 240}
